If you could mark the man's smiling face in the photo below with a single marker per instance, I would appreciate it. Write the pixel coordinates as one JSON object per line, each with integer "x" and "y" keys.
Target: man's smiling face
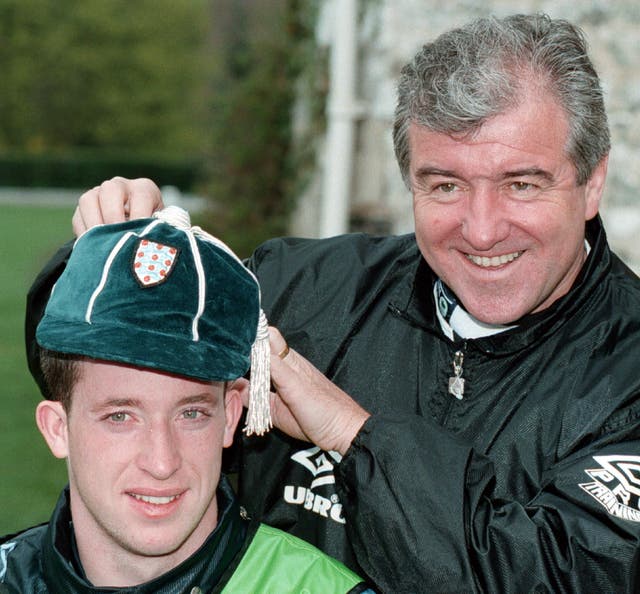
{"x": 498, "y": 214}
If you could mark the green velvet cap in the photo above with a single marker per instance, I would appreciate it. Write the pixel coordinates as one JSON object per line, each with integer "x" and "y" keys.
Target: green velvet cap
{"x": 155, "y": 294}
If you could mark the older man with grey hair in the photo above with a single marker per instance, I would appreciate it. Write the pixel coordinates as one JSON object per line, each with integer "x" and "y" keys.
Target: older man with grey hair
{"x": 472, "y": 390}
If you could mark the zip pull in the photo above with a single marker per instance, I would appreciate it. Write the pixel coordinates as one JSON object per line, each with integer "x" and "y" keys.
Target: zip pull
{"x": 456, "y": 383}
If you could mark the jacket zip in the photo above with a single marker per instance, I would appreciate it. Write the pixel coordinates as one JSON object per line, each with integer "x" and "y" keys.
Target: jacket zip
{"x": 456, "y": 382}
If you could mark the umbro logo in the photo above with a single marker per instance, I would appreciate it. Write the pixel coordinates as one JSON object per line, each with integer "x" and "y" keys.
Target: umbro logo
{"x": 616, "y": 485}
{"x": 321, "y": 465}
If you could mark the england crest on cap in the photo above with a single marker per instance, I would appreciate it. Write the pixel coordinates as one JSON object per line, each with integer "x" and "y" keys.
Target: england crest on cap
{"x": 153, "y": 262}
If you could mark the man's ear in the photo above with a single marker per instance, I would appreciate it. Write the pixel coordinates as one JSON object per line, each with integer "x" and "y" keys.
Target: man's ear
{"x": 51, "y": 419}
{"x": 595, "y": 188}
{"x": 236, "y": 393}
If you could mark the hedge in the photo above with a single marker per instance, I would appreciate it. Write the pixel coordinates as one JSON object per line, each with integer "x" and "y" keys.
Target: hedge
{"x": 83, "y": 169}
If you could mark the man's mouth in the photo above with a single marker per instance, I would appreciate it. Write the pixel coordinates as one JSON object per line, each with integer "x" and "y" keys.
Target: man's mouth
{"x": 153, "y": 499}
{"x": 493, "y": 261}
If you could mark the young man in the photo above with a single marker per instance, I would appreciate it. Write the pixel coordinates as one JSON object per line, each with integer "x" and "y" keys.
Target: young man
{"x": 479, "y": 432}
{"x": 143, "y": 342}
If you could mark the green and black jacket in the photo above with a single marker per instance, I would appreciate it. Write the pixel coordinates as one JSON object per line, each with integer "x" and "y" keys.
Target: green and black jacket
{"x": 240, "y": 556}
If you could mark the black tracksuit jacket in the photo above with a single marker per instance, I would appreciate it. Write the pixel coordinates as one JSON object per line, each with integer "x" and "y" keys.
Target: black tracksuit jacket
{"x": 529, "y": 483}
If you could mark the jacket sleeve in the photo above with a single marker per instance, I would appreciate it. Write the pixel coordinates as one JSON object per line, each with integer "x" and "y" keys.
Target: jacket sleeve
{"x": 423, "y": 515}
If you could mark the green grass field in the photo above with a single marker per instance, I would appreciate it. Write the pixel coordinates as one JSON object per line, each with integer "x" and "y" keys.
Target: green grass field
{"x": 30, "y": 477}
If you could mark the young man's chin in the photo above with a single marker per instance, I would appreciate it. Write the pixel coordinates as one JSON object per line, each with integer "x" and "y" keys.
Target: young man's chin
{"x": 156, "y": 543}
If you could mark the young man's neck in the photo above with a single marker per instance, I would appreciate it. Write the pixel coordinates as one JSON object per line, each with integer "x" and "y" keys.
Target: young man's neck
{"x": 108, "y": 562}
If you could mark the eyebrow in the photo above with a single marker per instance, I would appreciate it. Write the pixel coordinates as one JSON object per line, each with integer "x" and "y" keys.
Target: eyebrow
{"x": 202, "y": 398}
{"x": 118, "y": 403}
{"x": 527, "y": 172}
{"x": 425, "y": 171}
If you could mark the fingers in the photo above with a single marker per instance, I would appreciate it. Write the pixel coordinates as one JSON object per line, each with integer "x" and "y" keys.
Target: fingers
{"x": 144, "y": 198}
{"x": 277, "y": 343}
{"x": 87, "y": 213}
{"x": 279, "y": 351}
{"x": 308, "y": 404}
{"x": 115, "y": 201}
{"x": 289, "y": 369}
{"x": 283, "y": 373}
{"x": 285, "y": 362}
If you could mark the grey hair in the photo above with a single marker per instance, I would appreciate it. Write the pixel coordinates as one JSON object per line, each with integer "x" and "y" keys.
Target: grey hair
{"x": 470, "y": 74}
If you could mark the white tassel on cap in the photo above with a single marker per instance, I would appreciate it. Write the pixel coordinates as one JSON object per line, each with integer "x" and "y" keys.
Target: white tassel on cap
{"x": 259, "y": 412}
{"x": 174, "y": 215}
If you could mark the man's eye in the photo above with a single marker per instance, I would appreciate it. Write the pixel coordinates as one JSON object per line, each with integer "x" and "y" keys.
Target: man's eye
{"x": 521, "y": 186}
{"x": 193, "y": 413}
{"x": 118, "y": 417}
{"x": 447, "y": 188}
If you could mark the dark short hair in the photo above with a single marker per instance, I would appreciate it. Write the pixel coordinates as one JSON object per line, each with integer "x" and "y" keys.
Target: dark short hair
{"x": 473, "y": 73}
{"x": 61, "y": 372}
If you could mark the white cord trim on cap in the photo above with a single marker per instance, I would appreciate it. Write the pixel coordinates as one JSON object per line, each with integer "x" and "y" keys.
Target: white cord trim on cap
{"x": 202, "y": 234}
{"x": 179, "y": 218}
{"x": 107, "y": 267}
{"x": 201, "y": 285}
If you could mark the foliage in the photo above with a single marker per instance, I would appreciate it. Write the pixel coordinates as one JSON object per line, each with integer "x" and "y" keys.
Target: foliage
{"x": 89, "y": 86}
{"x": 84, "y": 169}
{"x": 117, "y": 74}
{"x": 252, "y": 163}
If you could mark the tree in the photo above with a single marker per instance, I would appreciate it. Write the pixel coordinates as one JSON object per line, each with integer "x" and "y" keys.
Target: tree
{"x": 252, "y": 163}
{"x": 111, "y": 75}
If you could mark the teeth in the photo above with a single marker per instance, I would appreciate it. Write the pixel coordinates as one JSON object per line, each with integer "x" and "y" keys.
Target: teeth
{"x": 154, "y": 500}
{"x": 494, "y": 261}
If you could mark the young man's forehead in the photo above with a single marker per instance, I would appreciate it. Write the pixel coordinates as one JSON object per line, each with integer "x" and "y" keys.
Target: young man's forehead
{"x": 127, "y": 385}
{"x": 210, "y": 398}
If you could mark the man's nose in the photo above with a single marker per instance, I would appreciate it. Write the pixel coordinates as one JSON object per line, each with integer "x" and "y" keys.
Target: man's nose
{"x": 484, "y": 221}
{"x": 159, "y": 451}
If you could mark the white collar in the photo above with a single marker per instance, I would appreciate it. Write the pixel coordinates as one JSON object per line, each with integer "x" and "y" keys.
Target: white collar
{"x": 455, "y": 320}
